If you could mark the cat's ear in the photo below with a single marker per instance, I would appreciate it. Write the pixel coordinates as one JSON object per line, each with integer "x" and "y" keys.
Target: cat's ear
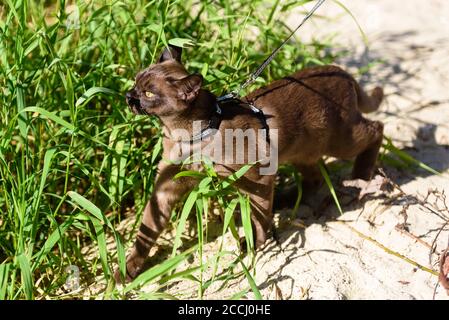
{"x": 171, "y": 53}
{"x": 188, "y": 87}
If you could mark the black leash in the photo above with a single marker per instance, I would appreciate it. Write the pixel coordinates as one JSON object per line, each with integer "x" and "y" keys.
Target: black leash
{"x": 233, "y": 96}
{"x": 253, "y": 76}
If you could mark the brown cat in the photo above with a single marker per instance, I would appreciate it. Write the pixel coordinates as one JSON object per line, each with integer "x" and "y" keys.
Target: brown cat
{"x": 314, "y": 112}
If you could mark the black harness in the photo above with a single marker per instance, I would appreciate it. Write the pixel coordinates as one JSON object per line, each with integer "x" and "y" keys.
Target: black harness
{"x": 216, "y": 118}
{"x": 212, "y": 126}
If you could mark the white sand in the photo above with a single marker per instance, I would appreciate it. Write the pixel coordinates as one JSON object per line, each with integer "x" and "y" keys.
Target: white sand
{"x": 332, "y": 261}
{"x": 329, "y": 260}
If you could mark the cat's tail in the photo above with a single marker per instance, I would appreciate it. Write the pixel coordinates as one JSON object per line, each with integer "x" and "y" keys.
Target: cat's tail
{"x": 369, "y": 103}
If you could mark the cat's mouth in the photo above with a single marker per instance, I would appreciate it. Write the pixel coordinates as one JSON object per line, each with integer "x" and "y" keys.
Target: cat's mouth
{"x": 134, "y": 104}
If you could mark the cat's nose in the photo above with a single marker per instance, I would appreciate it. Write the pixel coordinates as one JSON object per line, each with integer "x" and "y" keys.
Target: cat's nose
{"x": 131, "y": 99}
{"x": 128, "y": 96}
{"x": 133, "y": 102}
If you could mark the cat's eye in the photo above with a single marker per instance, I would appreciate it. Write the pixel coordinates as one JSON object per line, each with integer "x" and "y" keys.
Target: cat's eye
{"x": 149, "y": 94}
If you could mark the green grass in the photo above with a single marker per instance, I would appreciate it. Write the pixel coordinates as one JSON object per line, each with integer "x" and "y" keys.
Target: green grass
{"x": 72, "y": 155}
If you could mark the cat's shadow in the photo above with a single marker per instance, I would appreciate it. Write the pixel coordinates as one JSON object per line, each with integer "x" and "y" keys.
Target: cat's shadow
{"x": 318, "y": 207}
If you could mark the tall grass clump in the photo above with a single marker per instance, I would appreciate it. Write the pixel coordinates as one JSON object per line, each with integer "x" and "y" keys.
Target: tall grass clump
{"x": 72, "y": 155}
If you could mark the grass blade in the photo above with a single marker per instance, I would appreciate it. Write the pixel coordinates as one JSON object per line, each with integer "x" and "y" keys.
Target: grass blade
{"x": 364, "y": 37}
{"x": 102, "y": 247}
{"x": 246, "y": 221}
{"x": 329, "y": 184}
{"x": 188, "y": 205}
{"x": 236, "y": 175}
{"x": 92, "y": 92}
{"x": 51, "y": 241}
{"x": 51, "y": 116}
{"x": 159, "y": 270}
{"x": 406, "y": 157}
{"x": 88, "y": 206}
{"x": 97, "y": 219}
{"x": 26, "y": 276}
{"x": 251, "y": 282}
{"x": 4, "y": 275}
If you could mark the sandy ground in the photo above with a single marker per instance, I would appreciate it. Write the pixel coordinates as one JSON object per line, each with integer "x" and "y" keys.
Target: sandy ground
{"x": 408, "y": 45}
{"x": 379, "y": 248}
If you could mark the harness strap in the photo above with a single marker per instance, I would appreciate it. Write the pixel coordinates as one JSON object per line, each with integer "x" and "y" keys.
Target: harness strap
{"x": 252, "y": 107}
{"x": 215, "y": 120}
{"x": 213, "y": 125}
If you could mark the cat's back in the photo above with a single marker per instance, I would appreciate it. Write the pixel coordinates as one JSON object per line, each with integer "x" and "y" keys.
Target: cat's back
{"x": 320, "y": 78}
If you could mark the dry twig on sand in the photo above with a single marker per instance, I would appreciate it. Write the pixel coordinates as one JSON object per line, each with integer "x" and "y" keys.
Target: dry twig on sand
{"x": 444, "y": 269}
